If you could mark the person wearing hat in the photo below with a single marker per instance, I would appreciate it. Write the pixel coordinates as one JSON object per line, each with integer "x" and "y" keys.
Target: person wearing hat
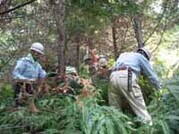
{"x": 124, "y": 80}
{"x": 91, "y": 61}
{"x": 102, "y": 71}
{"x": 28, "y": 69}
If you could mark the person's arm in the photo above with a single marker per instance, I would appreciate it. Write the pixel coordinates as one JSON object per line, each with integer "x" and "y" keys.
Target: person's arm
{"x": 94, "y": 56}
{"x": 42, "y": 74}
{"x": 150, "y": 73}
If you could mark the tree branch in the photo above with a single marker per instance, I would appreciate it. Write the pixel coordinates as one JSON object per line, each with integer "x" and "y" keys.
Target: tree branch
{"x": 158, "y": 23}
{"x": 17, "y": 7}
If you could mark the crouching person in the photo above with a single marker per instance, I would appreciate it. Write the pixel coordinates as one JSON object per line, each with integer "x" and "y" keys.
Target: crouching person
{"x": 124, "y": 80}
{"x": 27, "y": 73}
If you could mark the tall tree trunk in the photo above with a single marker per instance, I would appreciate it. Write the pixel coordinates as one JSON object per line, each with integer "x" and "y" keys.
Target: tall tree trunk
{"x": 137, "y": 25}
{"x": 78, "y": 57}
{"x": 78, "y": 54}
{"x": 60, "y": 16}
{"x": 114, "y": 39}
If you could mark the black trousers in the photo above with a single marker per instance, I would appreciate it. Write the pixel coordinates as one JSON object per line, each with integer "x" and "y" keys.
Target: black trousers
{"x": 17, "y": 89}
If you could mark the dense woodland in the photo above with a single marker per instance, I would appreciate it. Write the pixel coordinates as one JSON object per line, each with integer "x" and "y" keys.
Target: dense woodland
{"x": 67, "y": 28}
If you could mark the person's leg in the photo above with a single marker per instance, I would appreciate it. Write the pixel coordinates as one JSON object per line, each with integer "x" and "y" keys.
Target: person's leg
{"x": 119, "y": 80}
{"x": 16, "y": 88}
{"x": 114, "y": 99}
{"x": 31, "y": 90}
{"x": 122, "y": 85}
{"x": 137, "y": 103}
{"x": 115, "y": 96}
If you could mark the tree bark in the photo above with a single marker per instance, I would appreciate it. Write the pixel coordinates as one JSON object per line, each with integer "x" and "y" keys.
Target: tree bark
{"x": 114, "y": 39}
{"x": 137, "y": 25}
{"x": 59, "y": 11}
{"x": 15, "y": 8}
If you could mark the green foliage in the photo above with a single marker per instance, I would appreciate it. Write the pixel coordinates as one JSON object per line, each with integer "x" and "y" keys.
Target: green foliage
{"x": 6, "y": 94}
{"x": 99, "y": 119}
{"x": 64, "y": 114}
{"x": 92, "y": 15}
{"x": 102, "y": 86}
{"x": 111, "y": 62}
{"x": 6, "y": 51}
{"x": 147, "y": 89}
{"x": 6, "y": 91}
{"x": 84, "y": 71}
{"x": 20, "y": 120}
{"x": 168, "y": 107}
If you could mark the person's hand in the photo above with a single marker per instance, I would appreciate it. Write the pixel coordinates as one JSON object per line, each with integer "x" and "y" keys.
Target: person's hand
{"x": 160, "y": 86}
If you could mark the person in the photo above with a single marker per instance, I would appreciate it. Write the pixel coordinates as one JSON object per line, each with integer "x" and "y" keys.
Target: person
{"x": 92, "y": 53}
{"x": 124, "y": 80}
{"x": 91, "y": 61}
{"x": 102, "y": 61}
{"x": 91, "y": 58}
{"x": 29, "y": 70}
{"x": 102, "y": 70}
{"x": 73, "y": 79}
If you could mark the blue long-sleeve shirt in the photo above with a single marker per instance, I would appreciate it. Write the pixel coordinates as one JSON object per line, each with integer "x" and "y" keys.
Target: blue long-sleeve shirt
{"x": 28, "y": 69}
{"x": 139, "y": 64}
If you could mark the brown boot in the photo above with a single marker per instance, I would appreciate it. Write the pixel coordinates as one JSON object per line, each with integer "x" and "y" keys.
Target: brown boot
{"x": 32, "y": 106}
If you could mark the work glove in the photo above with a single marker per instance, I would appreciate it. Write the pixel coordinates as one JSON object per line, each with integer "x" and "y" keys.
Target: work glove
{"x": 51, "y": 74}
{"x": 159, "y": 86}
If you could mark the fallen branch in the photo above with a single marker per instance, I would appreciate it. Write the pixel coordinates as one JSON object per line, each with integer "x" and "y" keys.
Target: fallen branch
{"x": 17, "y": 7}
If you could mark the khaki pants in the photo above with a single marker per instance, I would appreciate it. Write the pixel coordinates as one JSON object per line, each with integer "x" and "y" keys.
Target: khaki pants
{"x": 119, "y": 90}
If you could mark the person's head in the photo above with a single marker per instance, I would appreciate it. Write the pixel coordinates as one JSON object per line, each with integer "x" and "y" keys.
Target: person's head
{"x": 88, "y": 59}
{"x": 144, "y": 52}
{"x": 71, "y": 70}
{"x": 37, "y": 50}
{"x": 102, "y": 62}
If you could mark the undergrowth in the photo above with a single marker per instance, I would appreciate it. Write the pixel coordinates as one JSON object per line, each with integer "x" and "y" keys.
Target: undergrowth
{"x": 74, "y": 115}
